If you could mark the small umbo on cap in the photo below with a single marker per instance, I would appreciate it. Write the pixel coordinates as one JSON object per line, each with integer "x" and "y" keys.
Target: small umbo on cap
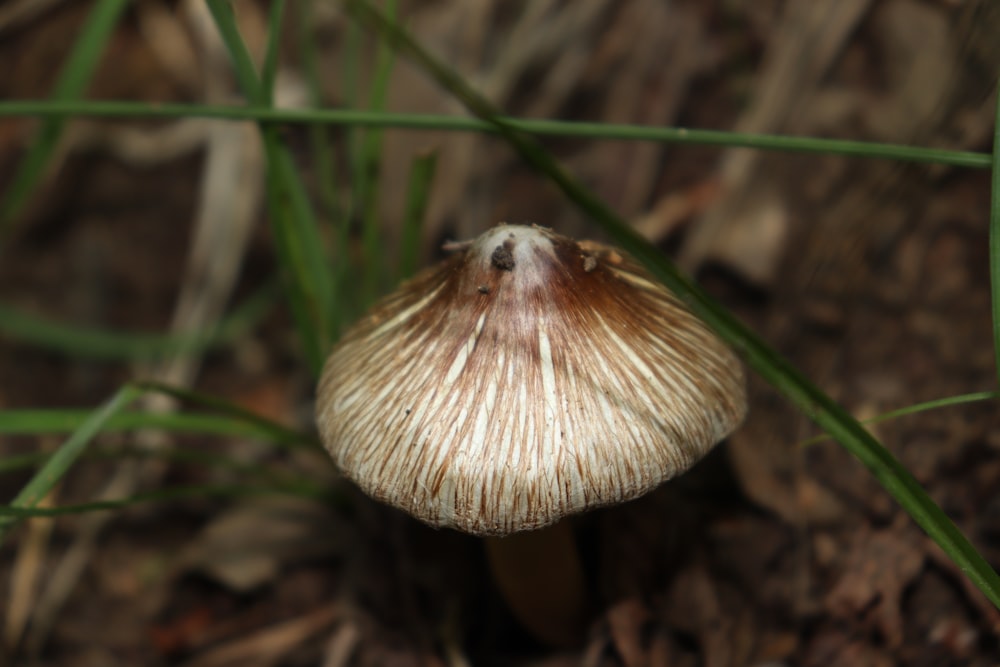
{"x": 526, "y": 378}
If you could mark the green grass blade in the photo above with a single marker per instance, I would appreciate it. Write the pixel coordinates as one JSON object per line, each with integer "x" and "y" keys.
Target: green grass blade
{"x": 198, "y": 457}
{"x": 781, "y": 374}
{"x": 80, "y": 341}
{"x": 321, "y": 147}
{"x": 269, "y": 70}
{"x": 418, "y": 192}
{"x": 302, "y": 254}
{"x": 354, "y": 118}
{"x": 995, "y": 235}
{"x": 297, "y": 240}
{"x": 274, "y": 431}
{"x": 367, "y": 175}
{"x": 42, "y": 421}
{"x": 936, "y": 404}
{"x": 230, "y": 420}
{"x": 345, "y": 266}
{"x": 70, "y": 85}
{"x": 319, "y": 134}
{"x": 351, "y": 92}
{"x": 19, "y": 462}
{"x": 917, "y": 408}
{"x": 303, "y": 301}
{"x": 246, "y": 72}
{"x": 16, "y": 512}
{"x": 64, "y": 457}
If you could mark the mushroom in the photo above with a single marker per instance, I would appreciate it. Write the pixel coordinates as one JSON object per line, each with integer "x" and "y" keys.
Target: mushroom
{"x": 526, "y": 378}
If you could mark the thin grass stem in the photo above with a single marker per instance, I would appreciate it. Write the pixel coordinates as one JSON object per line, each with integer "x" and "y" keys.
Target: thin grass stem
{"x": 296, "y": 235}
{"x": 418, "y": 192}
{"x": 995, "y": 235}
{"x": 369, "y": 172}
{"x": 269, "y": 69}
{"x": 71, "y": 84}
{"x": 354, "y": 118}
{"x": 915, "y": 409}
{"x": 66, "y": 455}
{"x": 16, "y": 512}
{"x": 55, "y": 420}
{"x": 80, "y": 341}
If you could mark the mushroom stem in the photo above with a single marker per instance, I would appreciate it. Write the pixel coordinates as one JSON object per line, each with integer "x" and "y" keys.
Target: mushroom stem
{"x": 540, "y": 576}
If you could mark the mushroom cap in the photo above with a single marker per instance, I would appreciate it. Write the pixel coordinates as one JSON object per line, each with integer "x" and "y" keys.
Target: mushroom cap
{"x": 525, "y": 378}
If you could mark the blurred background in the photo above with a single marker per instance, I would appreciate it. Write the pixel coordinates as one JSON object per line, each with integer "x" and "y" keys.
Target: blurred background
{"x": 144, "y": 251}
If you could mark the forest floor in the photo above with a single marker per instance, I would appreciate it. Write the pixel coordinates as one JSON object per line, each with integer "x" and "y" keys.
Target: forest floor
{"x": 872, "y": 277}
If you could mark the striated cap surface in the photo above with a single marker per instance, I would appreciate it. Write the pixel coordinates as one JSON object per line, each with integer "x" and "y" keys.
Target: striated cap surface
{"x": 523, "y": 379}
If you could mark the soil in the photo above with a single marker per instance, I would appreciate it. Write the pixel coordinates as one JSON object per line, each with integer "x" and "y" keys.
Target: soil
{"x": 872, "y": 277}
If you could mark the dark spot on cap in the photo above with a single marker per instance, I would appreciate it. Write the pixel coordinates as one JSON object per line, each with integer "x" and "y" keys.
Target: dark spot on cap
{"x": 502, "y": 257}
{"x": 484, "y": 289}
